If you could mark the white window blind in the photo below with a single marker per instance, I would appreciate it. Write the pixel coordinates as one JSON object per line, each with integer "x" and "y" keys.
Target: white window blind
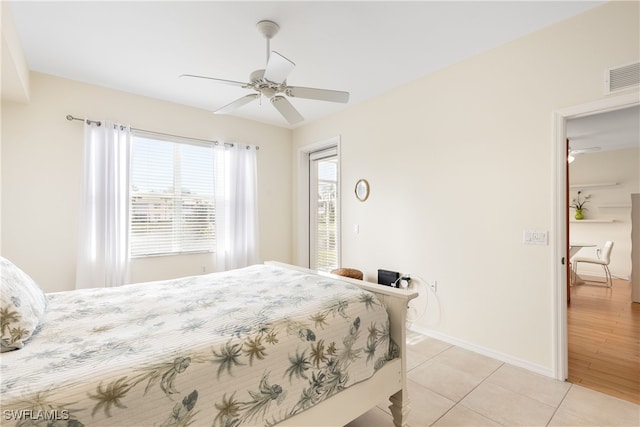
{"x": 172, "y": 196}
{"x": 324, "y": 228}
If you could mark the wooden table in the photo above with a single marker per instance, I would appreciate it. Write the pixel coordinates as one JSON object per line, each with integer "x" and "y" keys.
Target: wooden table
{"x": 574, "y": 247}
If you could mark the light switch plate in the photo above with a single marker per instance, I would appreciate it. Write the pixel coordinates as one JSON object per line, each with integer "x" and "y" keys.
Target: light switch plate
{"x": 534, "y": 237}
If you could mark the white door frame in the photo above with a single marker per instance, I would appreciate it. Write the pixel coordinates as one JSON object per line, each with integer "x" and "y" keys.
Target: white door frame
{"x": 561, "y": 358}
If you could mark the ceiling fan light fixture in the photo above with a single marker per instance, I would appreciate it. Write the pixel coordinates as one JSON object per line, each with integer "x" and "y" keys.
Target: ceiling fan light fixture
{"x": 269, "y": 92}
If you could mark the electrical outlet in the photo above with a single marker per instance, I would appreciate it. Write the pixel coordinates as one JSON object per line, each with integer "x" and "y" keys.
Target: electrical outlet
{"x": 433, "y": 285}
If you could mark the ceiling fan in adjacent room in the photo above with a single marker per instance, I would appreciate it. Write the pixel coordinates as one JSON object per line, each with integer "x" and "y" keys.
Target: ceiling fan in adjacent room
{"x": 272, "y": 84}
{"x": 573, "y": 153}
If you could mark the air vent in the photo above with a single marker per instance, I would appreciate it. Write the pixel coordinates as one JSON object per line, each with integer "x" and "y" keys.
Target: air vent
{"x": 622, "y": 78}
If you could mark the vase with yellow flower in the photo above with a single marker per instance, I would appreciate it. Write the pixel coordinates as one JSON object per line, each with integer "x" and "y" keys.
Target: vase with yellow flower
{"x": 579, "y": 205}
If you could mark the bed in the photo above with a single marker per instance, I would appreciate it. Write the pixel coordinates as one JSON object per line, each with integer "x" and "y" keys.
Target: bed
{"x": 266, "y": 345}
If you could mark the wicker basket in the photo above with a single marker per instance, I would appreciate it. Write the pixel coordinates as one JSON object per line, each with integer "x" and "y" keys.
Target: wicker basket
{"x": 348, "y": 272}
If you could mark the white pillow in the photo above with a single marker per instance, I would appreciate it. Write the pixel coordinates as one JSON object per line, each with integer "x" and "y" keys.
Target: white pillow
{"x": 22, "y": 305}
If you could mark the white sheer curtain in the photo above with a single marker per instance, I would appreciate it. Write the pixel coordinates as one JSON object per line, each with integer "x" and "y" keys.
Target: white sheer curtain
{"x": 236, "y": 206}
{"x": 103, "y": 248}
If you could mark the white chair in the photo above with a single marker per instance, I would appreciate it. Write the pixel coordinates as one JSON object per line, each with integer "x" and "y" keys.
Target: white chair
{"x": 603, "y": 259}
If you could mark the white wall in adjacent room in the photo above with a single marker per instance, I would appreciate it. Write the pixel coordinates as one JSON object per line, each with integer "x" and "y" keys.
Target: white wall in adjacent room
{"x": 608, "y": 178}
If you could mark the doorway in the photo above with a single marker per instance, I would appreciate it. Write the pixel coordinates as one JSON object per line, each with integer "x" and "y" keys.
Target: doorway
{"x": 560, "y": 263}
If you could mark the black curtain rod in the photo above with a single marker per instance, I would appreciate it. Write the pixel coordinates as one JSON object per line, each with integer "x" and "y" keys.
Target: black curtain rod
{"x": 98, "y": 123}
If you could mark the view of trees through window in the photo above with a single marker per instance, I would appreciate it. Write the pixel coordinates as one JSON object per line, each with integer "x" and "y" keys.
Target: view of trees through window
{"x": 172, "y": 197}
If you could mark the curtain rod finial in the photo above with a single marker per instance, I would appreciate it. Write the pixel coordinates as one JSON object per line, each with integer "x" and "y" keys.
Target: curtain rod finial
{"x": 69, "y": 117}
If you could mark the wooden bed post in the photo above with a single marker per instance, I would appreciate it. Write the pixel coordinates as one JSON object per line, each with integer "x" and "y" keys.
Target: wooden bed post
{"x": 400, "y": 408}
{"x": 397, "y": 309}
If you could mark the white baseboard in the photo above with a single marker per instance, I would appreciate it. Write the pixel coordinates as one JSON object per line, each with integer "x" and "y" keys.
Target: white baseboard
{"x": 542, "y": 370}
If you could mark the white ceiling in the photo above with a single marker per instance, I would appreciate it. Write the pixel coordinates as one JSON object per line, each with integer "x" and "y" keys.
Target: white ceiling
{"x": 365, "y": 48}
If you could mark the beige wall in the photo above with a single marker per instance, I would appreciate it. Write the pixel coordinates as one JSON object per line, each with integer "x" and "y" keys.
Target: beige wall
{"x": 460, "y": 162}
{"x": 607, "y": 203}
{"x": 41, "y": 161}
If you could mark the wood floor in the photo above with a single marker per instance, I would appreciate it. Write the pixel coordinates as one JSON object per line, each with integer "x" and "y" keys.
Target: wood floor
{"x": 604, "y": 339}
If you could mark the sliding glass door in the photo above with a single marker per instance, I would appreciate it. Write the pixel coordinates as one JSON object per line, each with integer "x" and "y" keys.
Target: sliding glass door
{"x": 324, "y": 227}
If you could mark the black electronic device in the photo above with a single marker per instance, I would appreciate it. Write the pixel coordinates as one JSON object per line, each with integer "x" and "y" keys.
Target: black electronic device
{"x": 389, "y": 278}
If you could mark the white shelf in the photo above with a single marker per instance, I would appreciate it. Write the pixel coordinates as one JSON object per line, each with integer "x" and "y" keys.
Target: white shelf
{"x": 592, "y": 220}
{"x": 593, "y": 185}
{"x": 615, "y": 205}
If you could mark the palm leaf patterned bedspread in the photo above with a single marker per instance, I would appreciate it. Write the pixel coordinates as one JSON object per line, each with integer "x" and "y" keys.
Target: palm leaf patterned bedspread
{"x": 252, "y": 346}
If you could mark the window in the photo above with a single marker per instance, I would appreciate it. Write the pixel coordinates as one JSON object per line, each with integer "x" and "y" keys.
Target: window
{"x": 172, "y": 196}
{"x": 324, "y": 240}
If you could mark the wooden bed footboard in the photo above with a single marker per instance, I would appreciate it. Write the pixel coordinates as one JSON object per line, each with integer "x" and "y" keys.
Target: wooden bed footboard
{"x": 389, "y": 382}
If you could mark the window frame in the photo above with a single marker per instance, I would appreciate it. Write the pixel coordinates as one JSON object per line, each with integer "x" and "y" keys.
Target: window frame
{"x": 179, "y": 245}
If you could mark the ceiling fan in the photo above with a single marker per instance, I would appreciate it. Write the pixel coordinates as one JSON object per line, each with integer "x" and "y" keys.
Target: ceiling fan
{"x": 573, "y": 153}
{"x": 271, "y": 83}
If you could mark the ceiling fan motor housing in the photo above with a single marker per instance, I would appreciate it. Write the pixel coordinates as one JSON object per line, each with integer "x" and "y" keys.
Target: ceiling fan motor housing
{"x": 265, "y": 87}
{"x": 256, "y": 76}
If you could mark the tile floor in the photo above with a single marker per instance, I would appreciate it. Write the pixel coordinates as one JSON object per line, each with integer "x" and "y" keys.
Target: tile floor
{"x": 451, "y": 386}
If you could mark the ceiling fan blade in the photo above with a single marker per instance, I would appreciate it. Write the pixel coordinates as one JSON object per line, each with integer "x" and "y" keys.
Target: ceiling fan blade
{"x": 287, "y": 110}
{"x": 237, "y": 103}
{"x": 319, "y": 94}
{"x": 584, "y": 150}
{"x": 278, "y": 68}
{"x": 227, "y": 82}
